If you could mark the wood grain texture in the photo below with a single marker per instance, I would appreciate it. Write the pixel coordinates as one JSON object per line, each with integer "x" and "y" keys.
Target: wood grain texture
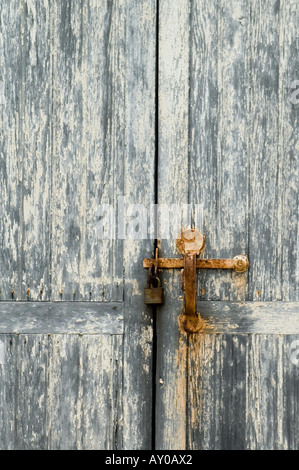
{"x": 289, "y": 150}
{"x": 77, "y": 111}
{"x": 250, "y": 317}
{"x": 62, "y": 317}
{"x": 173, "y": 186}
{"x": 43, "y": 416}
{"x": 139, "y": 188}
{"x": 265, "y": 159}
{"x": 247, "y": 373}
{"x": 217, "y": 136}
{"x": 290, "y": 393}
{"x": 10, "y": 149}
{"x": 77, "y": 129}
{"x": 63, "y": 124}
{"x": 35, "y": 150}
{"x": 88, "y": 42}
{"x": 242, "y": 165}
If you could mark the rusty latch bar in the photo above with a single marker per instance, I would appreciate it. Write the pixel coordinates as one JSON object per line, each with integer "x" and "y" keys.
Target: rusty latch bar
{"x": 239, "y": 263}
{"x": 190, "y": 244}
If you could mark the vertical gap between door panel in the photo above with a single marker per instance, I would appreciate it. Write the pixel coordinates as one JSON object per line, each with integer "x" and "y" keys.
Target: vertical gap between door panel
{"x": 154, "y": 364}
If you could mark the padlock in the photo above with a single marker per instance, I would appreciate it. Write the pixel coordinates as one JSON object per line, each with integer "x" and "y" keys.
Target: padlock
{"x": 154, "y": 295}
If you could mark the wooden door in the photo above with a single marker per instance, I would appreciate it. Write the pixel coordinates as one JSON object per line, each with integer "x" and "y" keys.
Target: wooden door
{"x": 228, "y": 120}
{"x": 77, "y": 122}
{"x": 86, "y": 127}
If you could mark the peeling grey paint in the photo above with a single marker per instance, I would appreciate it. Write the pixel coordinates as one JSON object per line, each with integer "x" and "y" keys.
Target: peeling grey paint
{"x": 77, "y": 112}
{"x": 228, "y": 140}
{"x": 2, "y": 353}
{"x": 77, "y": 115}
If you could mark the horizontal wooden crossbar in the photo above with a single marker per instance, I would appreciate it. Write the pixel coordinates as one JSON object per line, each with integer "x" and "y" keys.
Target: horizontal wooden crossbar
{"x": 250, "y": 317}
{"x": 62, "y": 317}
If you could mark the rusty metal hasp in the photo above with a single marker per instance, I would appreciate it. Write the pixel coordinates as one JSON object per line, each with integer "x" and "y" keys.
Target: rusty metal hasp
{"x": 190, "y": 244}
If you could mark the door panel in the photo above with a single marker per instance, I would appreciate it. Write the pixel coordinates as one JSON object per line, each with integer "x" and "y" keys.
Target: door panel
{"x": 77, "y": 119}
{"x": 89, "y": 75}
{"x": 50, "y": 398}
{"x": 242, "y": 392}
{"x": 173, "y": 188}
{"x": 218, "y": 133}
{"x": 230, "y": 142}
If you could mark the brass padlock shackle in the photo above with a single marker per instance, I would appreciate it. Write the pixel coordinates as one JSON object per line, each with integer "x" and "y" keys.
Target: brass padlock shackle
{"x": 150, "y": 284}
{"x": 153, "y": 273}
{"x": 154, "y": 294}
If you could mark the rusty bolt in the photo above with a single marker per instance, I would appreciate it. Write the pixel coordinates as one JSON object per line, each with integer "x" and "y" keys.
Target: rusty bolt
{"x": 241, "y": 264}
{"x": 191, "y": 242}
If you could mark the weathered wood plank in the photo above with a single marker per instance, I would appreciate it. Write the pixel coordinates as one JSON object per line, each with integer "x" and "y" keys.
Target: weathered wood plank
{"x": 81, "y": 419}
{"x": 23, "y": 392}
{"x": 104, "y": 141}
{"x": 69, "y": 160}
{"x": 101, "y": 413}
{"x": 288, "y": 147}
{"x": 173, "y": 188}
{"x": 35, "y": 152}
{"x": 31, "y": 392}
{"x": 62, "y": 317}
{"x": 11, "y": 156}
{"x": 265, "y": 411}
{"x": 250, "y": 317}
{"x": 8, "y": 394}
{"x": 216, "y": 389}
{"x": 290, "y": 391}
{"x": 218, "y": 143}
{"x": 69, "y": 156}
{"x": 64, "y": 374}
{"x": 243, "y": 392}
{"x": 49, "y": 397}
{"x": 88, "y": 147}
{"x": 139, "y": 188}
{"x": 63, "y": 122}
{"x": 265, "y": 189}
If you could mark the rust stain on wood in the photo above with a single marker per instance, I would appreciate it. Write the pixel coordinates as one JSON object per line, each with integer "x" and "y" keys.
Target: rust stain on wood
{"x": 192, "y": 323}
{"x": 189, "y": 328}
{"x": 180, "y": 393}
